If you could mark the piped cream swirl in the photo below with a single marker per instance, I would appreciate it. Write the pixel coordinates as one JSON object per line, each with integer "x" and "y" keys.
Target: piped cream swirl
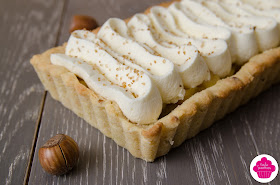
{"x": 238, "y": 8}
{"x": 133, "y": 90}
{"x": 189, "y": 63}
{"x": 147, "y": 62}
{"x": 250, "y": 36}
{"x": 214, "y": 51}
{"x": 114, "y": 33}
{"x": 265, "y": 28}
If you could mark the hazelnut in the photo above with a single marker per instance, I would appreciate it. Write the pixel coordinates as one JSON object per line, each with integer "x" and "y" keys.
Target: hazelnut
{"x": 59, "y": 154}
{"x": 80, "y": 22}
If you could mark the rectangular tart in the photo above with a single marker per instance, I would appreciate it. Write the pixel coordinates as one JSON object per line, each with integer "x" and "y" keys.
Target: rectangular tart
{"x": 196, "y": 113}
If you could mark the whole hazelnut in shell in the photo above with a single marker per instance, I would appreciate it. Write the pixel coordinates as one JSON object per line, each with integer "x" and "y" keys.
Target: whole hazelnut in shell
{"x": 59, "y": 154}
{"x": 80, "y": 22}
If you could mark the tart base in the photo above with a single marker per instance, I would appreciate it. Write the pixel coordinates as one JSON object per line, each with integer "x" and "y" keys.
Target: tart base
{"x": 197, "y": 113}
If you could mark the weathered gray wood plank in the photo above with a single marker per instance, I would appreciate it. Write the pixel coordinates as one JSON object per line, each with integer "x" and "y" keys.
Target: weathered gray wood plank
{"x": 262, "y": 118}
{"x": 265, "y": 118}
{"x": 216, "y": 156}
{"x": 103, "y": 10}
{"x": 219, "y": 155}
{"x": 27, "y": 27}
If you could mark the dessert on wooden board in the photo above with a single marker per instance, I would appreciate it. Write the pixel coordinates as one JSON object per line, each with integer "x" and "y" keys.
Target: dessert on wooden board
{"x": 161, "y": 77}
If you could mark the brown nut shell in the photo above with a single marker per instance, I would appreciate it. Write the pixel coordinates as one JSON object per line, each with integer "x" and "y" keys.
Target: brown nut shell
{"x": 80, "y": 22}
{"x": 59, "y": 155}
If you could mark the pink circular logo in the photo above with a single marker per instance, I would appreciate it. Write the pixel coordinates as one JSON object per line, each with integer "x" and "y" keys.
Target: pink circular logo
{"x": 264, "y": 168}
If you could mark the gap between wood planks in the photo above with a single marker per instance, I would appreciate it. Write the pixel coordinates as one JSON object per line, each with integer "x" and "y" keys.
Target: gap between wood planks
{"x": 38, "y": 122}
{"x": 34, "y": 141}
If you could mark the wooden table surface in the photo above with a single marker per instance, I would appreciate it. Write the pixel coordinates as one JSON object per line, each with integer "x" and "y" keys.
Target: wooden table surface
{"x": 29, "y": 116}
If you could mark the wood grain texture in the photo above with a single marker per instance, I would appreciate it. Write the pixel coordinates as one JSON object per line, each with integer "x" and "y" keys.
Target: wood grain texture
{"x": 27, "y": 27}
{"x": 216, "y": 156}
{"x": 102, "y": 10}
{"x": 219, "y": 155}
{"x": 262, "y": 118}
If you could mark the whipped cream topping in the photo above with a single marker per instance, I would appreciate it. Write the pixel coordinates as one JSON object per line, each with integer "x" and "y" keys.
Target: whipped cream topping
{"x": 250, "y": 36}
{"x": 148, "y": 61}
{"x": 114, "y": 33}
{"x": 215, "y": 52}
{"x": 265, "y": 28}
{"x": 263, "y": 4}
{"x": 133, "y": 90}
{"x": 239, "y": 8}
{"x": 189, "y": 63}
{"x": 186, "y": 21}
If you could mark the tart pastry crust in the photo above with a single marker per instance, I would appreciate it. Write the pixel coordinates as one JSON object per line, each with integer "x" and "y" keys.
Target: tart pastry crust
{"x": 195, "y": 114}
